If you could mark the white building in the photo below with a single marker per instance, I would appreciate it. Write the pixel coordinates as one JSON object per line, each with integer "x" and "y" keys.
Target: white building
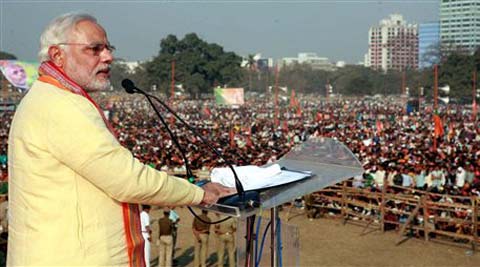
{"x": 316, "y": 62}
{"x": 393, "y": 44}
{"x": 460, "y": 24}
{"x": 130, "y": 65}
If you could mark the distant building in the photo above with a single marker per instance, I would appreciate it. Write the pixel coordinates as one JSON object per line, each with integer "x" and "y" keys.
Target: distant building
{"x": 460, "y": 24}
{"x": 130, "y": 65}
{"x": 261, "y": 63}
{"x": 428, "y": 44}
{"x": 393, "y": 44}
{"x": 316, "y": 62}
{"x": 340, "y": 64}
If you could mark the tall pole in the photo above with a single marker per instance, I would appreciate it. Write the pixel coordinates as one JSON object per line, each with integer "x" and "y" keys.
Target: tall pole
{"x": 404, "y": 93}
{"x": 435, "y": 102}
{"x": 172, "y": 87}
{"x": 327, "y": 89}
{"x": 474, "y": 95}
{"x": 276, "y": 120}
{"x": 273, "y": 237}
{"x": 435, "y": 88}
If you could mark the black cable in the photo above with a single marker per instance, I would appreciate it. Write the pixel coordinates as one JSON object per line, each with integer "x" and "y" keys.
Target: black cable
{"x": 173, "y": 137}
{"x": 131, "y": 89}
{"x": 182, "y": 152}
{"x": 203, "y": 221}
{"x": 238, "y": 185}
{"x": 187, "y": 167}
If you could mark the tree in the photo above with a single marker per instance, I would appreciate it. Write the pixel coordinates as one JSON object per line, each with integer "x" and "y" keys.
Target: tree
{"x": 118, "y": 72}
{"x": 456, "y": 71}
{"x": 198, "y": 65}
{"x": 251, "y": 67}
{"x": 5, "y": 55}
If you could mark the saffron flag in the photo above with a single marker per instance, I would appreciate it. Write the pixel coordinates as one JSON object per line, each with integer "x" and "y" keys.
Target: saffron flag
{"x": 206, "y": 111}
{"x": 438, "y": 131}
{"x": 379, "y": 125}
{"x": 285, "y": 126}
{"x": 299, "y": 111}
{"x": 232, "y": 137}
{"x": 474, "y": 109}
{"x": 293, "y": 101}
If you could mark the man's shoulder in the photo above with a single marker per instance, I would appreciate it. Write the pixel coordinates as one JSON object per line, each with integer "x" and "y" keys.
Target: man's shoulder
{"x": 45, "y": 96}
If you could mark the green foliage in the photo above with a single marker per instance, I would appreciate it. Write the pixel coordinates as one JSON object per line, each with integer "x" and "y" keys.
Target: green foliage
{"x": 5, "y": 55}
{"x": 199, "y": 65}
{"x": 457, "y": 71}
{"x": 118, "y": 72}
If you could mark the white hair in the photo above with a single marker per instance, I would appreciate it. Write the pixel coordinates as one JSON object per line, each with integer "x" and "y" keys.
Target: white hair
{"x": 58, "y": 32}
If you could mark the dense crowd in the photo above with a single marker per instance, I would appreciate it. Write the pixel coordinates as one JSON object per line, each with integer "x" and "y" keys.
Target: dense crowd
{"x": 388, "y": 142}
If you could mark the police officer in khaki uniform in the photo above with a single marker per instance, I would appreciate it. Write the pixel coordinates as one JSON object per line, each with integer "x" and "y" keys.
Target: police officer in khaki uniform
{"x": 165, "y": 240}
{"x": 201, "y": 230}
{"x": 225, "y": 232}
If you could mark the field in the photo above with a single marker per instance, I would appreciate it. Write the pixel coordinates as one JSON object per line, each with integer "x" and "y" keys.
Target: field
{"x": 328, "y": 242}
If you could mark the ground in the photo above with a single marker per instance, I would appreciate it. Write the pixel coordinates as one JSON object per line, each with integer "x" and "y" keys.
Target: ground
{"x": 328, "y": 242}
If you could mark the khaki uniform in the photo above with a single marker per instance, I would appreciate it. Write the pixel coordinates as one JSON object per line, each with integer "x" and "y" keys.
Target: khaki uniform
{"x": 225, "y": 232}
{"x": 165, "y": 242}
{"x": 3, "y": 215}
{"x": 201, "y": 231}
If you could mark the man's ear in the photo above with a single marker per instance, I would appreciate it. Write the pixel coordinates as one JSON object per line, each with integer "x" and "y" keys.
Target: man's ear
{"x": 57, "y": 55}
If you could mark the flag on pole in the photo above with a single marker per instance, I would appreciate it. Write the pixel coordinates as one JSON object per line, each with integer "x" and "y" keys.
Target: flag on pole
{"x": 474, "y": 109}
{"x": 207, "y": 111}
{"x": 232, "y": 137}
{"x": 438, "y": 131}
{"x": 379, "y": 127}
{"x": 285, "y": 126}
{"x": 299, "y": 111}
{"x": 293, "y": 101}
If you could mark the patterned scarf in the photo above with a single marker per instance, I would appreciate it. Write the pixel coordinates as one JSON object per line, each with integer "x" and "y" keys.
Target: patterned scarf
{"x": 50, "y": 73}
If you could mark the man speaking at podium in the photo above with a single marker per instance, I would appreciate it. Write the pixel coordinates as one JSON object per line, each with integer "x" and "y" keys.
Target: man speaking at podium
{"x": 74, "y": 190}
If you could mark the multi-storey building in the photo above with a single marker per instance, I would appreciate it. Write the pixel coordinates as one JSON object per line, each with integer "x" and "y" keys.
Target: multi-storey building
{"x": 393, "y": 44}
{"x": 460, "y": 24}
{"x": 428, "y": 44}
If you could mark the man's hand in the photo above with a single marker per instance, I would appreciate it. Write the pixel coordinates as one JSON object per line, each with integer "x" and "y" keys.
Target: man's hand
{"x": 215, "y": 191}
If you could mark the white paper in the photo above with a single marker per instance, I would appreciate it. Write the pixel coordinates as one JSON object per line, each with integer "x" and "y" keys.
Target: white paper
{"x": 254, "y": 177}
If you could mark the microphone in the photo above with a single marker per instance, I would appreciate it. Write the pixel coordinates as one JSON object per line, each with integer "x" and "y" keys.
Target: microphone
{"x": 130, "y": 88}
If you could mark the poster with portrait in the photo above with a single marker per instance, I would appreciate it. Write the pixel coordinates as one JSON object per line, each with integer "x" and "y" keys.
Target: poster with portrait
{"x": 20, "y": 74}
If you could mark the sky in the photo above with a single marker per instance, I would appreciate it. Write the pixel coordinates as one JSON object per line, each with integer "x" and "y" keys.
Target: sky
{"x": 276, "y": 28}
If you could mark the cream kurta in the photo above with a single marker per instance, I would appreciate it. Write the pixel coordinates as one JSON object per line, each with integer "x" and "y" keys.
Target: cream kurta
{"x": 68, "y": 177}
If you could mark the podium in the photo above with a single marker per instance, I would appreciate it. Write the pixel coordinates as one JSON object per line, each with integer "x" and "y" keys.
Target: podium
{"x": 328, "y": 161}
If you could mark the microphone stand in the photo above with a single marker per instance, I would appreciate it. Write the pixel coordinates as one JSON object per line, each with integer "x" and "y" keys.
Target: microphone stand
{"x": 131, "y": 89}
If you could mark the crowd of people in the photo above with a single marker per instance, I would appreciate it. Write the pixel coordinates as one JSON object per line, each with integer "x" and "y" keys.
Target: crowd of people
{"x": 393, "y": 146}
{"x": 388, "y": 142}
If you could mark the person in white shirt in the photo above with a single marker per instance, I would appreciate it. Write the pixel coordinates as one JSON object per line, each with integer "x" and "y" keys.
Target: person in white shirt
{"x": 460, "y": 177}
{"x": 146, "y": 232}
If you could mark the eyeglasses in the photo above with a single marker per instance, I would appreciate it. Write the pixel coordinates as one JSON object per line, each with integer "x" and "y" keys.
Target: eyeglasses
{"x": 95, "y": 48}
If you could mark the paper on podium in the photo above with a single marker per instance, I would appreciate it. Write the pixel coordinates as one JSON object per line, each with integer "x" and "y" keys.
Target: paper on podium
{"x": 256, "y": 178}
{"x": 329, "y": 162}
